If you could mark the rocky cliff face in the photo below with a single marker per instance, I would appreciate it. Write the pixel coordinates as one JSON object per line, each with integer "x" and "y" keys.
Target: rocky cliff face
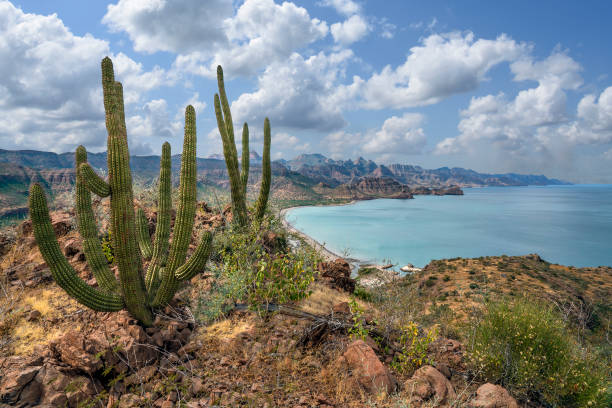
{"x": 364, "y": 188}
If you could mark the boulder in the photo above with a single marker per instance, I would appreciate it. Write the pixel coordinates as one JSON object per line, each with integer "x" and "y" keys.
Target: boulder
{"x": 373, "y": 376}
{"x": 427, "y": 384}
{"x": 492, "y": 396}
{"x": 342, "y": 308}
{"x": 338, "y": 274}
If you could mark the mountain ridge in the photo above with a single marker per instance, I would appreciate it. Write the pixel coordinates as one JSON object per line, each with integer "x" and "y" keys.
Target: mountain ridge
{"x": 308, "y": 178}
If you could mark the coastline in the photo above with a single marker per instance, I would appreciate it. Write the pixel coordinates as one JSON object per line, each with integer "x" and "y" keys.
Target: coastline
{"x": 328, "y": 255}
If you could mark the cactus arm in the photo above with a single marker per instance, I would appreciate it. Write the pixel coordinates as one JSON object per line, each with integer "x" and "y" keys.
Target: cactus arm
{"x": 266, "y": 175}
{"x": 62, "y": 272}
{"x": 89, "y": 230}
{"x": 144, "y": 239}
{"x": 229, "y": 124}
{"x": 162, "y": 230}
{"x": 231, "y": 161}
{"x": 94, "y": 183}
{"x": 122, "y": 202}
{"x": 244, "y": 176}
{"x": 183, "y": 225}
{"x": 197, "y": 261}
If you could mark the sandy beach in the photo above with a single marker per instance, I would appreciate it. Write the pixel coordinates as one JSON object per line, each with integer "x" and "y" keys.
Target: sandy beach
{"x": 327, "y": 254}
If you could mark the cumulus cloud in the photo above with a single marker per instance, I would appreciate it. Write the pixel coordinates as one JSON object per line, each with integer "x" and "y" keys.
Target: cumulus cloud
{"x": 50, "y": 91}
{"x": 351, "y": 30}
{"x": 261, "y": 32}
{"x": 398, "y": 135}
{"x": 177, "y": 26}
{"x": 346, "y": 7}
{"x": 443, "y": 65}
{"x": 535, "y": 131}
{"x": 154, "y": 123}
{"x": 296, "y": 93}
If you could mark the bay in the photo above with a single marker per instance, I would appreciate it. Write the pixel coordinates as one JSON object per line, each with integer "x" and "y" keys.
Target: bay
{"x": 569, "y": 225}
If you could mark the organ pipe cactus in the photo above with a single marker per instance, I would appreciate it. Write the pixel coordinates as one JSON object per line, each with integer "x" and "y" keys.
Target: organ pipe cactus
{"x": 130, "y": 237}
{"x": 238, "y": 181}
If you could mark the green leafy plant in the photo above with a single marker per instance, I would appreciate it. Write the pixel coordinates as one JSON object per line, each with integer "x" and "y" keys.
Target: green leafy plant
{"x": 246, "y": 273}
{"x": 413, "y": 347}
{"x": 525, "y": 346}
{"x": 279, "y": 279}
{"x": 358, "y": 330}
{"x": 107, "y": 247}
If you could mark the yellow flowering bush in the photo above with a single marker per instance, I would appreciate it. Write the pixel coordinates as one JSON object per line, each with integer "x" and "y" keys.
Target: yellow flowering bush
{"x": 526, "y": 347}
{"x": 413, "y": 347}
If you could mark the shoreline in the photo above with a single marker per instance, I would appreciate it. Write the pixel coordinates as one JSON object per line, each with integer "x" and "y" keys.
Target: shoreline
{"x": 328, "y": 254}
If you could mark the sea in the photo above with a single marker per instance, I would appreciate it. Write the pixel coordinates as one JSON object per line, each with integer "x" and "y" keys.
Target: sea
{"x": 568, "y": 225}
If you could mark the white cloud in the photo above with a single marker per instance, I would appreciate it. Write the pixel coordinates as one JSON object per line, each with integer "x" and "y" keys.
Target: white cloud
{"x": 351, "y": 30}
{"x": 261, "y": 32}
{"x": 346, "y": 7}
{"x": 597, "y": 111}
{"x": 50, "y": 90}
{"x": 296, "y": 93}
{"x": 443, "y": 65}
{"x": 153, "y": 124}
{"x": 284, "y": 140}
{"x": 399, "y": 135}
{"x": 177, "y": 25}
{"x": 535, "y": 122}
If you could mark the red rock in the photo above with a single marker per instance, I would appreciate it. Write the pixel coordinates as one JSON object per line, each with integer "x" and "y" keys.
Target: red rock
{"x": 492, "y": 396}
{"x": 34, "y": 315}
{"x": 342, "y": 308}
{"x": 369, "y": 371}
{"x": 338, "y": 273}
{"x": 428, "y": 383}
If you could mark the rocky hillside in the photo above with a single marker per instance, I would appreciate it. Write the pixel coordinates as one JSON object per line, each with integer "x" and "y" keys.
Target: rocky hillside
{"x": 311, "y": 178}
{"x": 342, "y": 345}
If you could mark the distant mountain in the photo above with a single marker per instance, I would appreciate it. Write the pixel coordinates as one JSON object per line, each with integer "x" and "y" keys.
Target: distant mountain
{"x": 307, "y": 178}
{"x": 336, "y": 172}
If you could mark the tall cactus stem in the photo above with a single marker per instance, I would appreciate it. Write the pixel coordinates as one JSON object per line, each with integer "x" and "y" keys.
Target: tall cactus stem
{"x": 162, "y": 230}
{"x": 65, "y": 276}
{"x": 226, "y": 129}
{"x": 89, "y": 230}
{"x": 183, "y": 225}
{"x": 244, "y": 176}
{"x": 142, "y": 229}
{"x": 122, "y": 202}
{"x": 266, "y": 174}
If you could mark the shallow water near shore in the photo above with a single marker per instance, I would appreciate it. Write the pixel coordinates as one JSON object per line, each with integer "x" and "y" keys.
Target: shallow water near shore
{"x": 569, "y": 225}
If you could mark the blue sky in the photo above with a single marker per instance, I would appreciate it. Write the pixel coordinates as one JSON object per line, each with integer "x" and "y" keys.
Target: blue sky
{"x": 517, "y": 86}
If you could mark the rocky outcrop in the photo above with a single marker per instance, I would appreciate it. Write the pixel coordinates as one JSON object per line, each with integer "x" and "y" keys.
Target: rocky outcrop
{"x": 363, "y": 188}
{"x": 370, "y": 373}
{"x": 76, "y": 368}
{"x": 337, "y": 274}
{"x": 429, "y": 384}
{"x": 492, "y": 396}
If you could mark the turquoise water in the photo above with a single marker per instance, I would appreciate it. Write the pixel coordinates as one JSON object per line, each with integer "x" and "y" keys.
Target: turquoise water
{"x": 569, "y": 225}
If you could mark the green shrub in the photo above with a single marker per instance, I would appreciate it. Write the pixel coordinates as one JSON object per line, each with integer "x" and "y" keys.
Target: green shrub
{"x": 358, "y": 330}
{"x": 245, "y": 273}
{"x": 526, "y": 347}
{"x": 413, "y": 347}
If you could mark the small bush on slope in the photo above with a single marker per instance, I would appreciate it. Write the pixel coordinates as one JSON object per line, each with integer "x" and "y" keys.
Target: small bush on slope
{"x": 526, "y": 346}
{"x": 246, "y": 273}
